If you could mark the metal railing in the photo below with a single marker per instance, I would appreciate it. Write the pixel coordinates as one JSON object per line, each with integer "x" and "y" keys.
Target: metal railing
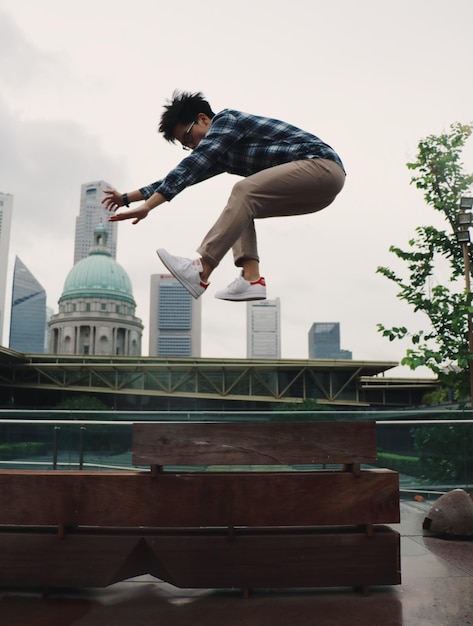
{"x": 431, "y": 450}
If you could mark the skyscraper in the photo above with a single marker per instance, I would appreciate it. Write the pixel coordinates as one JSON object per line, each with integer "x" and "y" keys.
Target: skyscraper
{"x": 92, "y": 213}
{"x": 263, "y": 329}
{"x": 49, "y": 314}
{"x": 6, "y": 208}
{"x": 324, "y": 342}
{"x": 28, "y": 311}
{"x": 175, "y": 324}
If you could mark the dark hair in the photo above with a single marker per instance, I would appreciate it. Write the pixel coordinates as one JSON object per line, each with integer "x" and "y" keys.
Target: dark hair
{"x": 183, "y": 108}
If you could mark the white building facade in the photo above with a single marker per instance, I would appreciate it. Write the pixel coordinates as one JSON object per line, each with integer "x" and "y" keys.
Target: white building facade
{"x": 92, "y": 212}
{"x": 6, "y": 209}
{"x": 96, "y": 309}
{"x": 263, "y": 329}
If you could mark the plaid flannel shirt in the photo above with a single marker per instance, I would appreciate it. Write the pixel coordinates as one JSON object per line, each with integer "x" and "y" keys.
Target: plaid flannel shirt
{"x": 242, "y": 144}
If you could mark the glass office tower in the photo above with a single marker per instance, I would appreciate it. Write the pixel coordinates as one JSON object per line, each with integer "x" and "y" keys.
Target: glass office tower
{"x": 175, "y": 325}
{"x": 28, "y": 311}
{"x": 324, "y": 342}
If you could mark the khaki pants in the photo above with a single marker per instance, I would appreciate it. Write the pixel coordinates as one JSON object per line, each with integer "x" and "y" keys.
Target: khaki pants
{"x": 295, "y": 188}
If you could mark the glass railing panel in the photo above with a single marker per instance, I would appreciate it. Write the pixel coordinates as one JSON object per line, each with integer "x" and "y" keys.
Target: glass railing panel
{"x": 64, "y": 444}
{"x": 431, "y": 450}
{"x": 431, "y": 456}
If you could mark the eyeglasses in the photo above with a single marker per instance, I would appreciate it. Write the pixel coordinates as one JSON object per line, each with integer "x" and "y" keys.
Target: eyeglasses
{"x": 186, "y": 137}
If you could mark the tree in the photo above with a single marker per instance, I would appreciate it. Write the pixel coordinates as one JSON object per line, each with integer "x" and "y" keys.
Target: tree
{"x": 443, "y": 346}
{"x": 82, "y": 403}
{"x": 314, "y": 411}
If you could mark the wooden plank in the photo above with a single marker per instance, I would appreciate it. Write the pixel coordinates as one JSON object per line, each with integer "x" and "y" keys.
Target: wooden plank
{"x": 194, "y": 499}
{"x": 328, "y": 558}
{"x": 325, "y": 559}
{"x": 45, "y": 560}
{"x": 265, "y": 443}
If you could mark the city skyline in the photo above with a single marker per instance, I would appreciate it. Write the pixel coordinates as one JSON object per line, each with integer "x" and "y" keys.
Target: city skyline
{"x": 68, "y": 115}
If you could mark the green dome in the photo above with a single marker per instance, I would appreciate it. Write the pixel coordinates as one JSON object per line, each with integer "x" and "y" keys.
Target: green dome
{"x": 98, "y": 276}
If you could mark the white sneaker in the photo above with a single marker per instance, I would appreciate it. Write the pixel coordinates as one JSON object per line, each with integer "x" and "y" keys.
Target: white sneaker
{"x": 242, "y": 290}
{"x": 186, "y": 271}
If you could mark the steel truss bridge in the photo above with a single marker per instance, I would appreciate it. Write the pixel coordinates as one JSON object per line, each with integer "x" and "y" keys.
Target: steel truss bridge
{"x": 345, "y": 383}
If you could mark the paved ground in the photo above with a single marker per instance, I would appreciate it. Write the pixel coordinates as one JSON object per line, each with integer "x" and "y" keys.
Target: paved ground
{"x": 436, "y": 590}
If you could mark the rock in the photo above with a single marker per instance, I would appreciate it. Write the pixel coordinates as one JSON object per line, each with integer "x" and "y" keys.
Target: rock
{"x": 451, "y": 514}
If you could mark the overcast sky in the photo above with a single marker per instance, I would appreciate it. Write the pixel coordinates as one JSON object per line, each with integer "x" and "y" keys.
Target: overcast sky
{"x": 82, "y": 89}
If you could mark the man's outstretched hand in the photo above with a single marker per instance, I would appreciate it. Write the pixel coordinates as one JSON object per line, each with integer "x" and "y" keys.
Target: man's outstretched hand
{"x": 136, "y": 215}
{"x": 113, "y": 201}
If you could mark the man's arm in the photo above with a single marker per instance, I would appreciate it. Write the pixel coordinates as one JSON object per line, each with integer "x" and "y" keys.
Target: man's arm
{"x": 202, "y": 164}
{"x": 114, "y": 200}
{"x": 204, "y": 161}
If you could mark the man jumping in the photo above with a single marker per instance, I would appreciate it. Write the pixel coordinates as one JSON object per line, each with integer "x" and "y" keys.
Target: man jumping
{"x": 286, "y": 171}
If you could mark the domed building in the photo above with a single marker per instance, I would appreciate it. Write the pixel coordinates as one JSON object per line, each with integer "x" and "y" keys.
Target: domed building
{"x": 96, "y": 309}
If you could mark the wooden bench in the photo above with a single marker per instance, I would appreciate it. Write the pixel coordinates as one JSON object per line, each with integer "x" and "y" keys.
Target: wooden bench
{"x": 222, "y": 505}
